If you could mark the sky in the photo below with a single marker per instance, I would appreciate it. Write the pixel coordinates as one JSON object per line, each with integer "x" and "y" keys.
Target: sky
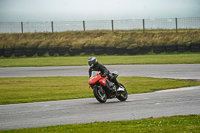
{"x": 79, "y": 10}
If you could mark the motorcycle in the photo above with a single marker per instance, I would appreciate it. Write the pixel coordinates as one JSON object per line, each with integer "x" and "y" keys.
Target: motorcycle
{"x": 104, "y": 89}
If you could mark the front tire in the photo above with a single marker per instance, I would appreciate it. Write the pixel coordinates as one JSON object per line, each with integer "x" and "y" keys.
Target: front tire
{"x": 100, "y": 94}
{"x": 124, "y": 95}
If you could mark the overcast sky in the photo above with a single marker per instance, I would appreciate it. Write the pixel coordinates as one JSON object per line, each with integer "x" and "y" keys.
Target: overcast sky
{"x": 79, "y": 10}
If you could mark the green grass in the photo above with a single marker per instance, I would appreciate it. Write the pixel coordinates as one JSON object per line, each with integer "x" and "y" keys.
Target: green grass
{"x": 37, "y": 89}
{"x": 185, "y": 58}
{"x": 174, "y": 124}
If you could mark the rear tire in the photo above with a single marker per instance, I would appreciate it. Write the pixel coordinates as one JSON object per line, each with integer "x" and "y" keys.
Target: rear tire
{"x": 124, "y": 95}
{"x": 100, "y": 94}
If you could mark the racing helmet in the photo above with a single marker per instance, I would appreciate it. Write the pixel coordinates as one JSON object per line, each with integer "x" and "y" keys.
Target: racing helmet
{"x": 92, "y": 61}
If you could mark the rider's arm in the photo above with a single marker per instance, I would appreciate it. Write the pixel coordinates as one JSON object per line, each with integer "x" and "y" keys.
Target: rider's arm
{"x": 104, "y": 70}
{"x": 90, "y": 72}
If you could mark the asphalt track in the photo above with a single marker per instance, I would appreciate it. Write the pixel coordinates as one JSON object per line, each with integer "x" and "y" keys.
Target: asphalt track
{"x": 182, "y": 101}
{"x": 177, "y": 71}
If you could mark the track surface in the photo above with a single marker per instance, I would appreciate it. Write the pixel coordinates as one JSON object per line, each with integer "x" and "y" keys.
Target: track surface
{"x": 162, "y": 103}
{"x": 181, "y": 101}
{"x": 178, "y": 71}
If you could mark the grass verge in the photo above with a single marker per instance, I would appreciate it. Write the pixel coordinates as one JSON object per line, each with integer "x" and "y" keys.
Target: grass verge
{"x": 186, "y": 124}
{"x": 119, "y": 38}
{"x": 186, "y": 58}
{"x": 37, "y": 89}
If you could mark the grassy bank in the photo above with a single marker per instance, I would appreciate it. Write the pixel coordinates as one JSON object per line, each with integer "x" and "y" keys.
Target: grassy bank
{"x": 173, "y": 124}
{"x": 187, "y": 58}
{"x": 37, "y": 89}
{"x": 79, "y": 39}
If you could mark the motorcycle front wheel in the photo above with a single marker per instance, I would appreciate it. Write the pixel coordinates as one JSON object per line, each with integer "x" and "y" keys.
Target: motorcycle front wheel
{"x": 124, "y": 95}
{"x": 100, "y": 94}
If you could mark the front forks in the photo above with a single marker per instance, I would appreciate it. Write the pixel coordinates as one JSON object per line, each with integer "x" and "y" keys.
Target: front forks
{"x": 100, "y": 88}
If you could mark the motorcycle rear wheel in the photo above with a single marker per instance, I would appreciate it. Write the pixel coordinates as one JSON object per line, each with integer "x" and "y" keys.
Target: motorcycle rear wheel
{"x": 124, "y": 95}
{"x": 100, "y": 94}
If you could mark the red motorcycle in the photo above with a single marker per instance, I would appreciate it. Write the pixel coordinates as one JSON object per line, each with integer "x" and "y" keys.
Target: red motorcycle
{"x": 104, "y": 89}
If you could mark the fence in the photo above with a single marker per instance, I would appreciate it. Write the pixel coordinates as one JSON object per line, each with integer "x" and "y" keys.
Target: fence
{"x": 132, "y": 24}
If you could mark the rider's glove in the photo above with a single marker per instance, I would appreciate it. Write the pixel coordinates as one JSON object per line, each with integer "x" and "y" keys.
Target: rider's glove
{"x": 104, "y": 75}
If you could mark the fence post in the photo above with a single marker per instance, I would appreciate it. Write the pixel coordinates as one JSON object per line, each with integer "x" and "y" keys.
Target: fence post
{"x": 22, "y": 27}
{"x": 176, "y": 25}
{"x": 143, "y": 26}
{"x": 112, "y": 25}
{"x": 52, "y": 26}
{"x": 83, "y": 25}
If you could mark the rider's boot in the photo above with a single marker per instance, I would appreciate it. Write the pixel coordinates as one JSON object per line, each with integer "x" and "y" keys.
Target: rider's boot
{"x": 120, "y": 88}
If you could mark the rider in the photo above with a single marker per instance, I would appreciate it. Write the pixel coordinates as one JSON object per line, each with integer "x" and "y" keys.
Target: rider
{"x": 96, "y": 66}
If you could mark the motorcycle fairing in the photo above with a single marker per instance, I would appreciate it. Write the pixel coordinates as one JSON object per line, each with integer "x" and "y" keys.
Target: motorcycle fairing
{"x": 97, "y": 78}
{"x": 103, "y": 81}
{"x": 94, "y": 78}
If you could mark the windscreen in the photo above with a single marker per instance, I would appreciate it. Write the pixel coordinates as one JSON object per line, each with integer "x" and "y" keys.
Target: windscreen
{"x": 94, "y": 73}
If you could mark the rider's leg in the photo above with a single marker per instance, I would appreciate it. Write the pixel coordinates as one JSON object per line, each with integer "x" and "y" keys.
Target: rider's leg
{"x": 114, "y": 80}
